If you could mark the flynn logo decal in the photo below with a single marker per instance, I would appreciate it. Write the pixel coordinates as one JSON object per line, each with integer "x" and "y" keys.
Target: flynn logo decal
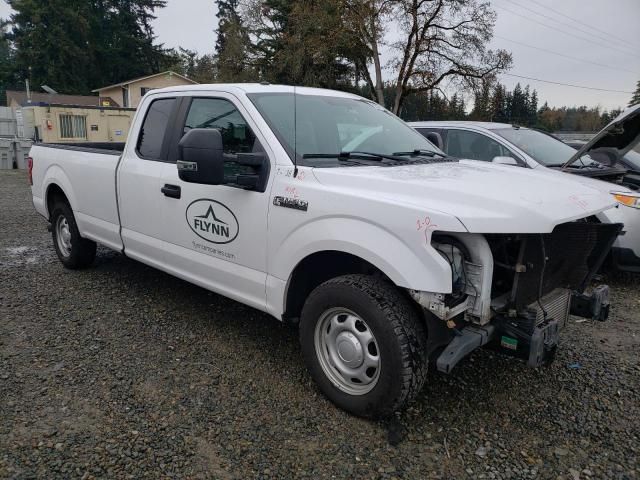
{"x": 212, "y": 221}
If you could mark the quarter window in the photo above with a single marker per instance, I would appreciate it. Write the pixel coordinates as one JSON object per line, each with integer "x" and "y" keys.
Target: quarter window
{"x": 475, "y": 146}
{"x": 154, "y": 129}
{"x": 73, "y": 126}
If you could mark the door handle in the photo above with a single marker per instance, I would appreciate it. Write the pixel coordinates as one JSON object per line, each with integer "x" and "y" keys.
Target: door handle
{"x": 172, "y": 191}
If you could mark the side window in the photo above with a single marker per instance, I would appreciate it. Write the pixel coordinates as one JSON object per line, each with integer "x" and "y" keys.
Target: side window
{"x": 221, "y": 114}
{"x": 475, "y": 146}
{"x": 154, "y": 128}
{"x": 237, "y": 136}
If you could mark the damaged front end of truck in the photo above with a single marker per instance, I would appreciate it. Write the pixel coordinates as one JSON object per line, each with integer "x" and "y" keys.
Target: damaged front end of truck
{"x": 514, "y": 292}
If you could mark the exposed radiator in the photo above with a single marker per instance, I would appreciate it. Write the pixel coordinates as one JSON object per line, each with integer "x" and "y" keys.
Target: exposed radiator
{"x": 556, "y": 304}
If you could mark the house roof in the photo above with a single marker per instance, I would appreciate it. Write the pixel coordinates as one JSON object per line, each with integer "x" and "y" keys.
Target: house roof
{"x": 37, "y": 97}
{"x": 168, "y": 72}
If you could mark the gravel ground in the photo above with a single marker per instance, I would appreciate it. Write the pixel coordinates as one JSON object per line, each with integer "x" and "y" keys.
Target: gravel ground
{"x": 121, "y": 371}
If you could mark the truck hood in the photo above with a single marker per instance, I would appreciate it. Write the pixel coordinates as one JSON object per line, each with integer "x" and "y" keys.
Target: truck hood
{"x": 486, "y": 198}
{"x": 614, "y": 140}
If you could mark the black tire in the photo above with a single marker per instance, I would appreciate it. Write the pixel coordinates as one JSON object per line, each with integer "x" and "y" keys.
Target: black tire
{"x": 399, "y": 333}
{"x": 82, "y": 252}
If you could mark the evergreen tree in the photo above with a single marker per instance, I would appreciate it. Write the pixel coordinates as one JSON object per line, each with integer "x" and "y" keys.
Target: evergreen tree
{"x": 7, "y": 79}
{"x": 482, "y": 103}
{"x": 635, "y": 99}
{"x": 227, "y": 14}
{"x": 499, "y": 104}
{"x": 75, "y": 46}
{"x": 308, "y": 43}
{"x": 232, "y": 45}
{"x": 533, "y": 109}
{"x": 518, "y": 105}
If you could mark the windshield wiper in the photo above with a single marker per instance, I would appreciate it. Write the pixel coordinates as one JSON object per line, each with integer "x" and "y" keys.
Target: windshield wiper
{"x": 420, "y": 151}
{"x": 376, "y": 157}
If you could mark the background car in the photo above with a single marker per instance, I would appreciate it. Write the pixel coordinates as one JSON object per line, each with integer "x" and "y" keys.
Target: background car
{"x": 529, "y": 148}
{"x": 630, "y": 162}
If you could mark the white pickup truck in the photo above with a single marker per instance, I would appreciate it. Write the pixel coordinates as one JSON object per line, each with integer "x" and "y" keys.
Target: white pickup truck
{"x": 323, "y": 208}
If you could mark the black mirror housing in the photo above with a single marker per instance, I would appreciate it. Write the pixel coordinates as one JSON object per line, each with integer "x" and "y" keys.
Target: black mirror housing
{"x": 200, "y": 157}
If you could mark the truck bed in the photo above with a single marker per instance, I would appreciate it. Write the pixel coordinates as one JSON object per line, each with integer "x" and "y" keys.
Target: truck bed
{"x": 87, "y": 174}
{"x": 108, "y": 148}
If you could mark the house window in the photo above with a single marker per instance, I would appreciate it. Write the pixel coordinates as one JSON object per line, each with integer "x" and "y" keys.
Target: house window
{"x": 73, "y": 126}
{"x": 144, "y": 90}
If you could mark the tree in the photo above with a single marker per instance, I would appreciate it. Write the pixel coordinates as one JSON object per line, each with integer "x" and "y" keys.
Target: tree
{"x": 268, "y": 26}
{"x": 532, "y": 114}
{"x": 7, "y": 78}
{"x": 498, "y": 105}
{"x": 635, "y": 98}
{"x": 306, "y": 43}
{"x": 232, "y": 45}
{"x": 440, "y": 40}
{"x": 202, "y": 69}
{"x": 482, "y": 102}
{"x": 75, "y": 46}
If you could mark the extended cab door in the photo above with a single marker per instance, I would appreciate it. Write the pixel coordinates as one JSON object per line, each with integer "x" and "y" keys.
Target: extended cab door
{"x": 140, "y": 183}
{"x": 217, "y": 234}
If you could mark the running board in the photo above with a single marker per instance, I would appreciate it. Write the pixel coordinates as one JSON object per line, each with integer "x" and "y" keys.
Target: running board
{"x": 465, "y": 342}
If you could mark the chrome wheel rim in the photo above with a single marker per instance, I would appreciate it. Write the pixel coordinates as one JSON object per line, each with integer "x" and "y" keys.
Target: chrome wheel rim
{"x": 347, "y": 351}
{"x": 63, "y": 236}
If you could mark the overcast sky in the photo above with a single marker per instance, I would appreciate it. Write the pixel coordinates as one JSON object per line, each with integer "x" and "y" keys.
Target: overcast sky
{"x": 611, "y": 60}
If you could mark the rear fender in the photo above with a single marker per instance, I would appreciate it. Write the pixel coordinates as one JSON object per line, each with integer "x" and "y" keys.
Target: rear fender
{"x": 56, "y": 176}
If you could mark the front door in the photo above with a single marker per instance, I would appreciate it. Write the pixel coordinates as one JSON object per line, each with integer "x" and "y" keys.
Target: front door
{"x": 216, "y": 234}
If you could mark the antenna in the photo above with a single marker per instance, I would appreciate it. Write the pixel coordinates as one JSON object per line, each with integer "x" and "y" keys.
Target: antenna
{"x": 295, "y": 136}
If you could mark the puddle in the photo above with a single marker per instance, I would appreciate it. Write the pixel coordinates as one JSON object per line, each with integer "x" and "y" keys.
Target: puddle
{"x": 25, "y": 255}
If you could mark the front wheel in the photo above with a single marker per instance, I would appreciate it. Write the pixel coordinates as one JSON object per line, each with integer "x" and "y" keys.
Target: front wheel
{"x": 73, "y": 251}
{"x": 364, "y": 345}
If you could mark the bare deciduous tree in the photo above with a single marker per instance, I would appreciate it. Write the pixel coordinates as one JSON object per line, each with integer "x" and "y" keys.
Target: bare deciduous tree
{"x": 438, "y": 40}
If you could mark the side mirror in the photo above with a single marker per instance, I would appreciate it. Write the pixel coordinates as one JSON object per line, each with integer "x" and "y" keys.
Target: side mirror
{"x": 200, "y": 158}
{"x": 505, "y": 161}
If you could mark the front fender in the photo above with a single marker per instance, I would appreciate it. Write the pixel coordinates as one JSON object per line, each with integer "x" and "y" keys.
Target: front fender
{"x": 418, "y": 267}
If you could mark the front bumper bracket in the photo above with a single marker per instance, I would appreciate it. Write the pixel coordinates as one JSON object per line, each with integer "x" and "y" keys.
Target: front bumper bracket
{"x": 594, "y": 306}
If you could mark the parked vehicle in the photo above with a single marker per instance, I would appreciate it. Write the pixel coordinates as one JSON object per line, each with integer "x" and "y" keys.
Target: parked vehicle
{"x": 630, "y": 162}
{"x": 518, "y": 146}
{"x": 323, "y": 208}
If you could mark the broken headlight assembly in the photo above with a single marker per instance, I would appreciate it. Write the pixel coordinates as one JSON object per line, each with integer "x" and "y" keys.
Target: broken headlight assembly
{"x": 456, "y": 254}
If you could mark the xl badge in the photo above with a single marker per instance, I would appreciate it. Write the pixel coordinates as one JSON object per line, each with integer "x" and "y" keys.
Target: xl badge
{"x": 212, "y": 221}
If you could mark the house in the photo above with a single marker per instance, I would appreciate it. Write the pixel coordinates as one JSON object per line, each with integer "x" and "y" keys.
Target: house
{"x": 17, "y": 99}
{"x": 129, "y": 93}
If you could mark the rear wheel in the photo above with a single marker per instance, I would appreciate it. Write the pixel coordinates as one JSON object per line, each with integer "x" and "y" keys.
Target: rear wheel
{"x": 73, "y": 251}
{"x": 364, "y": 345}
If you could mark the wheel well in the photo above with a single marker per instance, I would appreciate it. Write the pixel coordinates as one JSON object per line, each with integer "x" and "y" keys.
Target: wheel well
{"x": 54, "y": 193}
{"x": 318, "y": 268}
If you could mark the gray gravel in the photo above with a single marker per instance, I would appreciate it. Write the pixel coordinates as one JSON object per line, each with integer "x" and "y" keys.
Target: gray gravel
{"x": 121, "y": 371}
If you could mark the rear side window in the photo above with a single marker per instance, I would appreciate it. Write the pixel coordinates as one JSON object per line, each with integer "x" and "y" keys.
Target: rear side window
{"x": 475, "y": 146}
{"x": 154, "y": 129}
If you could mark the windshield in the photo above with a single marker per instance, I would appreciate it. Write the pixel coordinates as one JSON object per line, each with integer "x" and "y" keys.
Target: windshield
{"x": 327, "y": 125}
{"x": 541, "y": 147}
{"x": 633, "y": 158}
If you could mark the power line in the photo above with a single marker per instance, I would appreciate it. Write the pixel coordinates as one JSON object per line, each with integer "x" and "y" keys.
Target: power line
{"x": 563, "y": 55}
{"x": 557, "y": 30}
{"x": 566, "y": 84}
{"x": 598, "y": 36}
{"x": 609, "y": 34}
